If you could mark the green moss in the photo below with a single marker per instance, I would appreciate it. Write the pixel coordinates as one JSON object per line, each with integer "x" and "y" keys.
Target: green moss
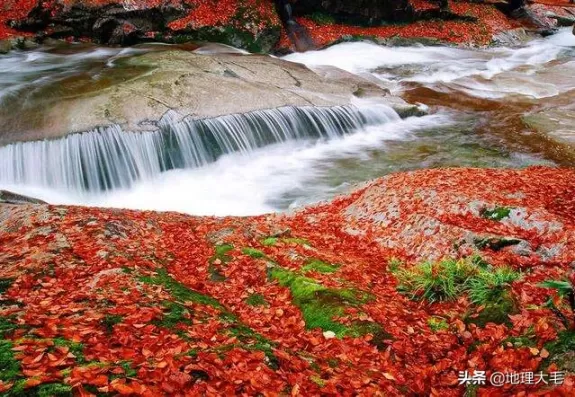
{"x": 295, "y": 240}
{"x": 222, "y": 250}
{"x": 109, "y": 321}
{"x": 319, "y": 305}
{"x": 9, "y": 366}
{"x": 319, "y": 266}
{"x": 5, "y": 284}
{"x": 76, "y": 348}
{"x": 256, "y": 300}
{"x": 179, "y": 290}
{"x": 317, "y": 380}
{"x": 380, "y": 338}
{"x": 495, "y": 312}
{"x": 7, "y": 325}
{"x": 43, "y": 390}
{"x": 174, "y": 314}
{"x": 254, "y": 253}
{"x": 270, "y": 241}
{"x": 496, "y": 214}
{"x": 437, "y": 324}
{"x": 521, "y": 341}
{"x": 251, "y": 340}
{"x": 220, "y": 257}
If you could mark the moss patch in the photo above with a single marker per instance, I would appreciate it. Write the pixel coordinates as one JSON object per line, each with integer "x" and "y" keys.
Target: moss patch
{"x": 254, "y": 253}
{"x": 319, "y": 266}
{"x": 496, "y": 214}
{"x": 109, "y": 321}
{"x": 179, "y": 290}
{"x": 437, "y": 324}
{"x": 7, "y": 325}
{"x": 9, "y": 366}
{"x": 76, "y": 348}
{"x": 256, "y": 300}
{"x": 319, "y": 305}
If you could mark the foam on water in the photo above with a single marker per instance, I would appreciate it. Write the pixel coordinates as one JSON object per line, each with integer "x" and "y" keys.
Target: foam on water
{"x": 243, "y": 183}
{"x": 490, "y": 73}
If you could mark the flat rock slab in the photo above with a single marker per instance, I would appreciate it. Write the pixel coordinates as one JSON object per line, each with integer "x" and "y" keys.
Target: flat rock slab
{"x": 136, "y": 91}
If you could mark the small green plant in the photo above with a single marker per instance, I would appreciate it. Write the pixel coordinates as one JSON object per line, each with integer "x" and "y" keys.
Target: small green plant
{"x": 109, "y": 321}
{"x": 437, "y": 324}
{"x": 491, "y": 286}
{"x": 496, "y": 214}
{"x": 394, "y": 264}
{"x": 440, "y": 281}
{"x": 487, "y": 287}
{"x": 566, "y": 291}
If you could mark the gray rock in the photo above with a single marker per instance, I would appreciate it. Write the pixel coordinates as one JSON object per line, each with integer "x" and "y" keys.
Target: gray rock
{"x": 139, "y": 90}
{"x": 7, "y": 197}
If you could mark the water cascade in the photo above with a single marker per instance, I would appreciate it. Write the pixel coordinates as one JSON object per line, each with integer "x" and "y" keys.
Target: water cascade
{"x": 110, "y": 158}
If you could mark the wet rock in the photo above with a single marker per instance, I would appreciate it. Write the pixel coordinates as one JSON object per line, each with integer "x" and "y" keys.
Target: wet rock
{"x": 7, "y": 197}
{"x": 142, "y": 90}
{"x": 5, "y": 46}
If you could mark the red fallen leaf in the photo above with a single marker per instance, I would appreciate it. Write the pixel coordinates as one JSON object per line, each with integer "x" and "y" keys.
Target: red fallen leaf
{"x": 121, "y": 387}
{"x": 100, "y": 380}
{"x": 81, "y": 392}
{"x": 31, "y": 382}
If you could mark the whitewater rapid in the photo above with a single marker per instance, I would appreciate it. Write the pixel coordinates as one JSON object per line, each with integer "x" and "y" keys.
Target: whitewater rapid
{"x": 288, "y": 161}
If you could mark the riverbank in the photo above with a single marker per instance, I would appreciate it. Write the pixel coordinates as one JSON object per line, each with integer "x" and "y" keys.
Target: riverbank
{"x": 390, "y": 290}
{"x": 254, "y": 25}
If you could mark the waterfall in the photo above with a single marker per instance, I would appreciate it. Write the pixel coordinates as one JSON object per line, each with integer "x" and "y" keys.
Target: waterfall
{"x": 110, "y": 158}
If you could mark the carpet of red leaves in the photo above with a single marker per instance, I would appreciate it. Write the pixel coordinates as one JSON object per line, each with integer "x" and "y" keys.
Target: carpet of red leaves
{"x": 202, "y": 12}
{"x": 72, "y": 268}
{"x": 261, "y": 12}
{"x": 490, "y": 21}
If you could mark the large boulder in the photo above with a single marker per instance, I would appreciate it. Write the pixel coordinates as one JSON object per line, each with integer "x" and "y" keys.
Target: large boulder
{"x": 138, "y": 90}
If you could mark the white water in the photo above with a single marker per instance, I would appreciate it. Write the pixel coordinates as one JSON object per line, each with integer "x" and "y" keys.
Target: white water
{"x": 270, "y": 161}
{"x": 489, "y": 73}
{"x": 244, "y": 183}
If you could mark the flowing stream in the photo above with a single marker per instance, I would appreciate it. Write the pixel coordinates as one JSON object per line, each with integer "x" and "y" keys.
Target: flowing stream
{"x": 482, "y": 106}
